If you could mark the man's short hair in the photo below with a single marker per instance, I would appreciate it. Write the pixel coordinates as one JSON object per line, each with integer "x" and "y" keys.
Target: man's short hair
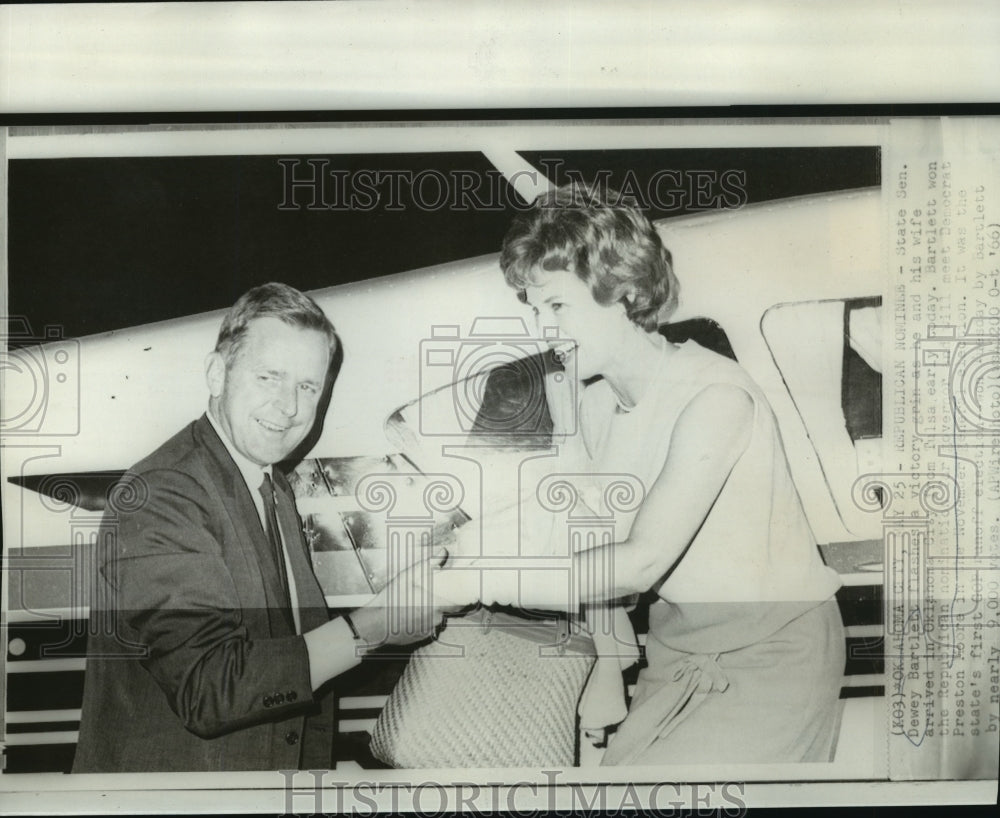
{"x": 601, "y": 236}
{"x": 274, "y": 300}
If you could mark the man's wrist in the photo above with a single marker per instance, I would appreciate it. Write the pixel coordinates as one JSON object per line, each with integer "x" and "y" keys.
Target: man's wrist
{"x": 332, "y": 649}
{"x": 350, "y": 623}
{"x": 368, "y": 626}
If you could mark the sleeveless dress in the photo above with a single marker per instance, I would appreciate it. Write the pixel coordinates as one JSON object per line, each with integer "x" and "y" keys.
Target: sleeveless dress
{"x": 745, "y": 648}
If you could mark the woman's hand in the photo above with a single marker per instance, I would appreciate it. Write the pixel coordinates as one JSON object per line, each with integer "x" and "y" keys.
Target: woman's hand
{"x": 496, "y": 561}
{"x": 409, "y": 608}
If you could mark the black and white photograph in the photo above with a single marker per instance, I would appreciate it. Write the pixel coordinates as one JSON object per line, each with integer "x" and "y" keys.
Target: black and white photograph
{"x": 455, "y": 386}
{"x": 347, "y": 462}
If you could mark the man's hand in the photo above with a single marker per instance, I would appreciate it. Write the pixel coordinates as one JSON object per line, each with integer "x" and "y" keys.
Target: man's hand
{"x": 408, "y": 608}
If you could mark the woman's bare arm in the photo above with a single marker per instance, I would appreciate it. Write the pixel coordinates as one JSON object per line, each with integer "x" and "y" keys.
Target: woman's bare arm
{"x": 710, "y": 435}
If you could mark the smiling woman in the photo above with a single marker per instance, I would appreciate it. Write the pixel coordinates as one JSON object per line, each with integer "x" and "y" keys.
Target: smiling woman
{"x": 745, "y": 647}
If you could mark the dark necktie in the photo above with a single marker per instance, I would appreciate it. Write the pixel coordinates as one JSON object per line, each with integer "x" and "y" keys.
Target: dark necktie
{"x": 274, "y": 535}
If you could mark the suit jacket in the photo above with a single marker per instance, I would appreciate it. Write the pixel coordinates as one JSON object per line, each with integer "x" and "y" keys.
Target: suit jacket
{"x": 193, "y": 661}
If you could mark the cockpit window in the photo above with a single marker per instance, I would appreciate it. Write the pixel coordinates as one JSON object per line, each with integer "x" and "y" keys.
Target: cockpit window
{"x": 861, "y": 381}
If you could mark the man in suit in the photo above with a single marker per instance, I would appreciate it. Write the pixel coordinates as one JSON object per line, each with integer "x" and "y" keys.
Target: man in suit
{"x": 211, "y": 641}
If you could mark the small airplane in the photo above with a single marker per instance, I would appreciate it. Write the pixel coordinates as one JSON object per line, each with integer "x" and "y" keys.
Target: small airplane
{"x": 790, "y": 288}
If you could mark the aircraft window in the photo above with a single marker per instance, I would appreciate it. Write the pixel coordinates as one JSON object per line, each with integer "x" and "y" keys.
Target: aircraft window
{"x": 829, "y": 354}
{"x": 861, "y": 383}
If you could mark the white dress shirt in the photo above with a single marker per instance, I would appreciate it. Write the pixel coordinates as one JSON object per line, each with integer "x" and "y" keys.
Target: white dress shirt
{"x": 253, "y": 476}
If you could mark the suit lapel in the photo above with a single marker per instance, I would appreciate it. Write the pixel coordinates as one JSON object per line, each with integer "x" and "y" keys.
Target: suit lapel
{"x": 242, "y": 512}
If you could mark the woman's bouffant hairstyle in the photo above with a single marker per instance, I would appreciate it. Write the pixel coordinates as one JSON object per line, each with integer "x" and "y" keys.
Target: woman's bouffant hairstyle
{"x": 604, "y": 239}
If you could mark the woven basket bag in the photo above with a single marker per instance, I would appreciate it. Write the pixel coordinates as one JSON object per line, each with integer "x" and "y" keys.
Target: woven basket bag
{"x": 508, "y": 700}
